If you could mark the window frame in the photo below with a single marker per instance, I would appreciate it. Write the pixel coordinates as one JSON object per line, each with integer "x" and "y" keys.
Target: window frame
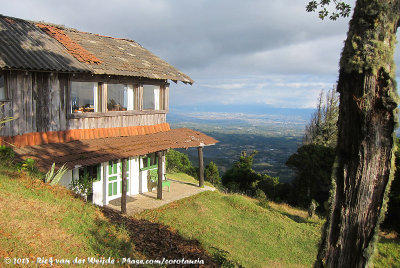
{"x": 137, "y": 90}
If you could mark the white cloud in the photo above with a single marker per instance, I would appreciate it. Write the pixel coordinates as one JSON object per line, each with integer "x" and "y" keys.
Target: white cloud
{"x": 238, "y": 52}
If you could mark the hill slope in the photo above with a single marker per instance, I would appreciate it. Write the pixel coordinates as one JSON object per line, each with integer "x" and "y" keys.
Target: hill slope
{"x": 40, "y": 223}
{"x": 234, "y": 228}
{"x": 245, "y": 232}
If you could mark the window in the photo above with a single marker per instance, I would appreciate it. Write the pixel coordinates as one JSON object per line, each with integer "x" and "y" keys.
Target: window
{"x": 150, "y": 161}
{"x": 84, "y": 97}
{"x": 151, "y": 97}
{"x": 87, "y": 97}
{"x": 3, "y": 92}
{"x": 120, "y": 97}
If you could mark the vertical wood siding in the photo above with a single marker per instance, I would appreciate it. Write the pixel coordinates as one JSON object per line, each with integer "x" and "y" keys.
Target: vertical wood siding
{"x": 39, "y": 102}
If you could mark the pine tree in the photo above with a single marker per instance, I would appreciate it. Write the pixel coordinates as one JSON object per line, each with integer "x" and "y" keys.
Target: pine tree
{"x": 322, "y": 129}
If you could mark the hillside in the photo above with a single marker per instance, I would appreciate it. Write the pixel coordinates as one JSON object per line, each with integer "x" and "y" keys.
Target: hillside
{"x": 43, "y": 224}
{"x": 40, "y": 223}
{"x": 236, "y": 229}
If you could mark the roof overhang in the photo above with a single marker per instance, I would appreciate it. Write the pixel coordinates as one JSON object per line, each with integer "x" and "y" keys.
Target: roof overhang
{"x": 94, "y": 151}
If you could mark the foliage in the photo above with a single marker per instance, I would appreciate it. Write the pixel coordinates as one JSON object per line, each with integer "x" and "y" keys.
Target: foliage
{"x": 211, "y": 174}
{"x": 83, "y": 185}
{"x": 179, "y": 162}
{"x": 4, "y": 119}
{"x": 313, "y": 166}
{"x": 311, "y": 208}
{"x": 262, "y": 198}
{"x": 342, "y": 9}
{"x": 241, "y": 176}
{"x": 322, "y": 129}
{"x": 54, "y": 177}
{"x": 39, "y": 220}
{"x": 6, "y": 154}
{"x": 27, "y": 165}
{"x": 270, "y": 186}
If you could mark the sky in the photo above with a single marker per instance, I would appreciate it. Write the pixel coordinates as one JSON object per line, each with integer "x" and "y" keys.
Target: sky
{"x": 253, "y": 52}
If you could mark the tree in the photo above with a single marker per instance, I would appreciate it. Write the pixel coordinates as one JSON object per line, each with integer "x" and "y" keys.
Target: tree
{"x": 212, "y": 174}
{"x": 241, "y": 176}
{"x": 313, "y": 166}
{"x": 179, "y": 162}
{"x": 364, "y": 164}
{"x": 322, "y": 129}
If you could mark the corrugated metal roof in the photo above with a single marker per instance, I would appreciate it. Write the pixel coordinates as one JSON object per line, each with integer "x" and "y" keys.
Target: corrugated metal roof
{"x": 32, "y": 46}
{"x": 25, "y": 46}
{"x": 95, "y": 151}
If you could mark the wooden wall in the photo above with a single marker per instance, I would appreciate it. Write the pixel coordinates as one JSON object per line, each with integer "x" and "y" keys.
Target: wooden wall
{"x": 39, "y": 102}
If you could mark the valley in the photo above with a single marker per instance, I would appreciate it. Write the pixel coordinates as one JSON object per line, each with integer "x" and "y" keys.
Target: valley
{"x": 274, "y": 137}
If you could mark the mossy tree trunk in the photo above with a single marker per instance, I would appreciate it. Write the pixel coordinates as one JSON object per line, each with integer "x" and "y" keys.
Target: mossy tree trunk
{"x": 364, "y": 163}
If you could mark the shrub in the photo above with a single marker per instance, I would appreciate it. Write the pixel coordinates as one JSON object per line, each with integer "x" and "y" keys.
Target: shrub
{"x": 6, "y": 153}
{"x": 212, "y": 174}
{"x": 179, "y": 162}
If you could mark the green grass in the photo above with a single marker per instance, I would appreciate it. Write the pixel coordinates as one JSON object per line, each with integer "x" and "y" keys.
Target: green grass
{"x": 236, "y": 228}
{"x": 39, "y": 220}
{"x": 250, "y": 235}
{"x": 388, "y": 253}
{"x": 186, "y": 178}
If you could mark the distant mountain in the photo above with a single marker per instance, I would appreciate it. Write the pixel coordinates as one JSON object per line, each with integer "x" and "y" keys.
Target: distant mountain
{"x": 246, "y": 109}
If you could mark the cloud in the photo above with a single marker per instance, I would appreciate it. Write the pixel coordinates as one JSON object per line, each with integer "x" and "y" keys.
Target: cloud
{"x": 274, "y": 91}
{"x": 257, "y": 51}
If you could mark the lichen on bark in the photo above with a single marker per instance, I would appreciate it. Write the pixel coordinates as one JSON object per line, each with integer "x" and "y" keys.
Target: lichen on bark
{"x": 365, "y": 155}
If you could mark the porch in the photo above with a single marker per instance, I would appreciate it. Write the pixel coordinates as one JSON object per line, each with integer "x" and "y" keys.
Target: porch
{"x": 140, "y": 202}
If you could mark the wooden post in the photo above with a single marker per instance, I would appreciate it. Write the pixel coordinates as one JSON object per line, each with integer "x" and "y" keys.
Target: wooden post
{"x": 201, "y": 167}
{"x": 123, "y": 195}
{"x": 160, "y": 173}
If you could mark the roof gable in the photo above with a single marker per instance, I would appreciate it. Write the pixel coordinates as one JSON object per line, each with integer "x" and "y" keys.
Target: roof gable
{"x": 40, "y": 46}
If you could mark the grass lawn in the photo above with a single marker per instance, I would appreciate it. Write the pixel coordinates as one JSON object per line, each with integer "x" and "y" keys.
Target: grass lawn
{"x": 186, "y": 178}
{"x": 39, "y": 220}
{"x": 242, "y": 231}
{"x": 235, "y": 228}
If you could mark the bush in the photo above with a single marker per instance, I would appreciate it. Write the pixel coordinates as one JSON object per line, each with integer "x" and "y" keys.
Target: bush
{"x": 260, "y": 195}
{"x": 212, "y": 174}
{"x": 179, "y": 162}
{"x": 6, "y": 154}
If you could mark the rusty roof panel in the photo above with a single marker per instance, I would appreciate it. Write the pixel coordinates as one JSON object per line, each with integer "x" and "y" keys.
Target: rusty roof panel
{"x": 95, "y": 151}
{"x": 24, "y": 46}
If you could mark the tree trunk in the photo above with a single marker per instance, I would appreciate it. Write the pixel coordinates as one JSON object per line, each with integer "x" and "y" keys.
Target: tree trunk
{"x": 364, "y": 163}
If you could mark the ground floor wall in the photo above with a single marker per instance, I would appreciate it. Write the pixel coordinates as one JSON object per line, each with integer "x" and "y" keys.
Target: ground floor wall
{"x": 108, "y": 182}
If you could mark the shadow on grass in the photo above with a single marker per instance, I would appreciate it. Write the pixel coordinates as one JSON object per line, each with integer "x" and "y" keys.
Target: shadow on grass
{"x": 295, "y": 218}
{"x": 110, "y": 245}
{"x": 156, "y": 241}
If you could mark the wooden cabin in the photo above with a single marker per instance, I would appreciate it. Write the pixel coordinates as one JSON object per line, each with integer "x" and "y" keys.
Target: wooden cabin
{"x": 88, "y": 101}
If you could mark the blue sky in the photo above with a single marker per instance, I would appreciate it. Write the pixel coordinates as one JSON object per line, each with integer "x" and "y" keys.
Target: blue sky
{"x": 238, "y": 52}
